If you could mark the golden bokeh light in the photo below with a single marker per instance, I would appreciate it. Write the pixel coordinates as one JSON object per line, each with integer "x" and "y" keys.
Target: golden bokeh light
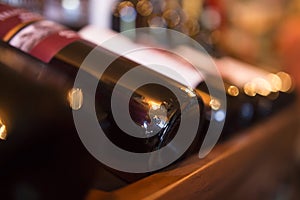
{"x": 190, "y": 92}
{"x": 75, "y": 98}
{"x": 144, "y": 7}
{"x": 3, "y": 131}
{"x": 249, "y": 89}
{"x": 215, "y": 104}
{"x": 233, "y": 91}
{"x": 190, "y": 27}
{"x": 286, "y": 80}
{"x": 121, "y": 6}
{"x": 275, "y": 82}
{"x": 172, "y": 17}
{"x": 262, "y": 86}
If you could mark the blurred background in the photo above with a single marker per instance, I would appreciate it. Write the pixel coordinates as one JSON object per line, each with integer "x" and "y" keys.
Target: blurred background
{"x": 265, "y": 33}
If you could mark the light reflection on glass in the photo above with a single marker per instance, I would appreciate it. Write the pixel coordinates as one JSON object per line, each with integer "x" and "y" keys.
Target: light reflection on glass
{"x": 153, "y": 104}
{"x": 219, "y": 115}
{"x": 189, "y": 91}
{"x": 262, "y": 86}
{"x": 286, "y": 80}
{"x": 70, "y": 4}
{"x": 158, "y": 115}
{"x": 275, "y": 82}
{"x": 75, "y": 98}
{"x": 249, "y": 89}
{"x": 215, "y": 104}
{"x": 3, "y": 131}
{"x": 233, "y": 91}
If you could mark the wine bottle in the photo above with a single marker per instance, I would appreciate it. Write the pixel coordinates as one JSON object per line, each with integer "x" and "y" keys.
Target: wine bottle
{"x": 239, "y": 105}
{"x": 269, "y": 92}
{"x": 41, "y": 154}
{"x": 208, "y": 15}
{"x": 186, "y": 16}
{"x": 243, "y": 102}
{"x": 153, "y": 107}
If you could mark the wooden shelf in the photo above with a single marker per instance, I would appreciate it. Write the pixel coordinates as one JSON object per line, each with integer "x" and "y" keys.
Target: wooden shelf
{"x": 250, "y": 166}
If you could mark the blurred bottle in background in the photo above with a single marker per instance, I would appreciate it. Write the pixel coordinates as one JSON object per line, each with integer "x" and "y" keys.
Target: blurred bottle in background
{"x": 262, "y": 33}
{"x": 100, "y": 13}
{"x": 32, "y": 5}
{"x": 72, "y": 13}
{"x": 195, "y": 18}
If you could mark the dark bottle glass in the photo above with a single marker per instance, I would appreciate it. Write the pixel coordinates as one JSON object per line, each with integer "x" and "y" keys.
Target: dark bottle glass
{"x": 37, "y": 115}
{"x": 260, "y": 92}
{"x": 41, "y": 154}
{"x": 153, "y": 107}
{"x": 239, "y": 105}
{"x": 189, "y": 16}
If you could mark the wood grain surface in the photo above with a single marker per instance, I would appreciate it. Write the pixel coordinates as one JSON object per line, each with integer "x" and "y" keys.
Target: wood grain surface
{"x": 251, "y": 165}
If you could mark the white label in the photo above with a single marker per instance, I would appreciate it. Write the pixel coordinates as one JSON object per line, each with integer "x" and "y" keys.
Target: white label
{"x": 153, "y": 58}
{"x": 239, "y": 73}
{"x": 31, "y": 35}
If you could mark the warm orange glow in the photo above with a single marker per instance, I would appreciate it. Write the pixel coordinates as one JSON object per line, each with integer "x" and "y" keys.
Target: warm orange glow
{"x": 190, "y": 27}
{"x": 75, "y": 98}
{"x": 233, "y": 91}
{"x": 144, "y": 7}
{"x": 286, "y": 80}
{"x": 275, "y": 82}
{"x": 249, "y": 89}
{"x": 171, "y": 17}
{"x": 189, "y": 92}
{"x": 262, "y": 86}
{"x": 215, "y": 104}
{"x": 204, "y": 96}
{"x": 122, "y": 6}
{"x": 153, "y": 104}
{"x": 3, "y": 131}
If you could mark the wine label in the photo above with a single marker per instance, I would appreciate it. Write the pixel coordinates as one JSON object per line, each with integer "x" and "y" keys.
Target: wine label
{"x": 43, "y": 39}
{"x": 168, "y": 63}
{"x": 14, "y": 19}
{"x": 46, "y": 49}
{"x": 251, "y": 79}
{"x": 237, "y": 72}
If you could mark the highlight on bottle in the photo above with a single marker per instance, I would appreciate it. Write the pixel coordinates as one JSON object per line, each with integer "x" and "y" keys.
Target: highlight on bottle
{"x": 161, "y": 116}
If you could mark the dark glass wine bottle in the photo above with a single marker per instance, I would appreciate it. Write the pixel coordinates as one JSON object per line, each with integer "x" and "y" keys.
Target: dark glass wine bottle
{"x": 41, "y": 154}
{"x": 239, "y": 105}
{"x": 208, "y": 15}
{"x": 153, "y": 107}
{"x": 263, "y": 91}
